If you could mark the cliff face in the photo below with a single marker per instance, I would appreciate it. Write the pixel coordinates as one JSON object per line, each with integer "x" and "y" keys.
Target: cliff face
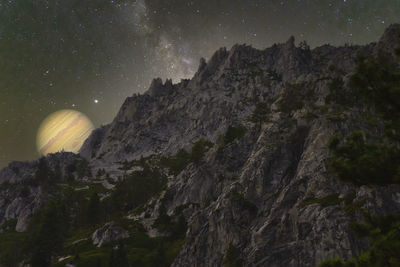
{"x": 251, "y": 191}
{"x": 21, "y": 195}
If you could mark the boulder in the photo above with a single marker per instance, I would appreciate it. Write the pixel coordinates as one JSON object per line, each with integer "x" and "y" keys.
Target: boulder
{"x": 108, "y": 233}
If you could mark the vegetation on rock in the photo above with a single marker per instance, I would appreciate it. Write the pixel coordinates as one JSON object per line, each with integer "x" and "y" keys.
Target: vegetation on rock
{"x": 372, "y": 160}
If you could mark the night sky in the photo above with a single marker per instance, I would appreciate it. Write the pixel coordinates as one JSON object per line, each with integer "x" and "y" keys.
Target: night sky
{"x": 91, "y": 55}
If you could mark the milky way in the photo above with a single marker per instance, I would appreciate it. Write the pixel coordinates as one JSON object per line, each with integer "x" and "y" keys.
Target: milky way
{"x": 91, "y": 55}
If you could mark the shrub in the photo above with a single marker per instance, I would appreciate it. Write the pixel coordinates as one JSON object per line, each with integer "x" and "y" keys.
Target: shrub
{"x": 137, "y": 188}
{"x": 291, "y": 99}
{"x": 383, "y": 233}
{"x": 361, "y": 162}
{"x": 244, "y": 203}
{"x": 232, "y": 133}
{"x": 274, "y": 76}
{"x": 337, "y": 93}
{"x": 199, "y": 149}
{"x": 397, "y": 51}
{"x": 260, "y": 114}
{"x": 48, "y": 233}
{"x": 176, "y": 227}
{"x": 329, "y": 200}
{"x": 176, "y": 163}
{"x": 378, "y": 84}
{"x": 232, "y": 257}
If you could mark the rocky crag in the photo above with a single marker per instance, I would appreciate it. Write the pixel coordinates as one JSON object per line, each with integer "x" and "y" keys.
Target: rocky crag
{"x": 260, "y": 187}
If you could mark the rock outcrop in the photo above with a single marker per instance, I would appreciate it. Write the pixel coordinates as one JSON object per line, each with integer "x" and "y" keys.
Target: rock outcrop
{"x": 249, "y": 191}
{"x": 22, "y": 192}
{"x": 108, "y": 233}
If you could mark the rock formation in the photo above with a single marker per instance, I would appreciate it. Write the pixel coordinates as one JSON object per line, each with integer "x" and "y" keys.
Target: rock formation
{"x": 249, "y": 191}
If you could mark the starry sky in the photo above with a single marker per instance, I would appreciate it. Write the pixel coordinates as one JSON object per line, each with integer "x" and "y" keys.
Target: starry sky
{"x": 91, "y": 55}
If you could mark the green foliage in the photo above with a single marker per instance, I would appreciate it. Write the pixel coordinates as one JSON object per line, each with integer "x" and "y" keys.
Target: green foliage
{"x": 379, "y": 84}
{"x": 361, "y": 162}
{"x": 163, "y": 221}
{"x": 372, "y": 161}
{"x": 260, "y": 114}
{"x": 73, "y": 215}
{"x": 244, "y": 203}
{"x": 118, "y": 256}
{"x": 291, "y": 99}
{"x": 337, "y": 263}
{"x": 182, "y": 158}
{"x": 137, "y": 188}
{"x": 232, "y": 133}
{"x": 310, "y": 116}
{"x": 349, "y": 197}
{"x": 232, "y": 257}
{"x": 199, "y": 149}
{"x": 83, "y": 168}
{"x": 176, "y": 226}
{"x": 383, "y": 233}
{"x": 94, "y": 210}
{"x": 49, "y": 231}
{"x": 338, "y": 117}
{"x": 43, "y": 173}
{"x": 397, "y": 51}
{"x": 351, "y": 208}
{"x": 329, "y": 200}
{"x": 274, "y": 76}
{"x": 100, "y": 172}
{"x": 11, "y": 251}
{"x": 176, "y": 163}
{"x": 337, "y": 93}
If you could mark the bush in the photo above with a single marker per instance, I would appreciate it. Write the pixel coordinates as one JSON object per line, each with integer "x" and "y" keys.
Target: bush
{"x": 244, "y": 203}
{"x": 260, "y": 114}
{"x": 329, "y": 200}
{"x": 176, "y": 163}
{"x": 397, "y": 51}
{"x": 199, "y": 149}
{"x": 274, "y": 76}
{"x": 377, "y": 82}
{"x": 136, "y": 189}
{"x": 48, "y": 233}
{"x": 337, "y": 93}
{"x": 232, "y": 133}
{"x": 291, "y": 99}
{"x": 11, "y": 249}
{"x": 232, "y": 257}
{"x": 361, "y": 162}
{"x": 182, "y": 158}
{"x": 176, "y": 226}
{"x": 383, "y": 233}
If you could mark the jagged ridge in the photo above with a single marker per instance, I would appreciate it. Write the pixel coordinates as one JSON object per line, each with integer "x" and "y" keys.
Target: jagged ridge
{"x": 248, "y": 193}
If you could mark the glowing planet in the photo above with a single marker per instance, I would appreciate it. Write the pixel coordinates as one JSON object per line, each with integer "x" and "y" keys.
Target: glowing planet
{"x": 63, "y": 130}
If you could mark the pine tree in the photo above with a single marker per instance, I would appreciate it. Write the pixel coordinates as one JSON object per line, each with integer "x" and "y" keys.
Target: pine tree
{"x": 260, "y": 114}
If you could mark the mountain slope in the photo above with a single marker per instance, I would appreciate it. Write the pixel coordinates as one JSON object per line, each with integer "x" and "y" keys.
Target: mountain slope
{"x": 240, "y": 154}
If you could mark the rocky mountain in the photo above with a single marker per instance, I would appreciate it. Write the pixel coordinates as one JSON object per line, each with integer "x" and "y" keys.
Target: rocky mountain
{"x": 237, "y": 156}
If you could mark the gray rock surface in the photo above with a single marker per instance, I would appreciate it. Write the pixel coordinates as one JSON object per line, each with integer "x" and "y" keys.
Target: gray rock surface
{"x": 250, "y": 192}
{"x": 21, "y": 194}
{"x": 108, "y": 233}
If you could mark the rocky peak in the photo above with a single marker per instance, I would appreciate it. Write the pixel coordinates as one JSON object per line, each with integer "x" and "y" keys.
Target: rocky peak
{"x": 390, "y": 38}
{"x": 157, "y": 88}
{"x": 290, "y": 42}
{"x": 207, "y": 70}
{"x": 261, "y": 184}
